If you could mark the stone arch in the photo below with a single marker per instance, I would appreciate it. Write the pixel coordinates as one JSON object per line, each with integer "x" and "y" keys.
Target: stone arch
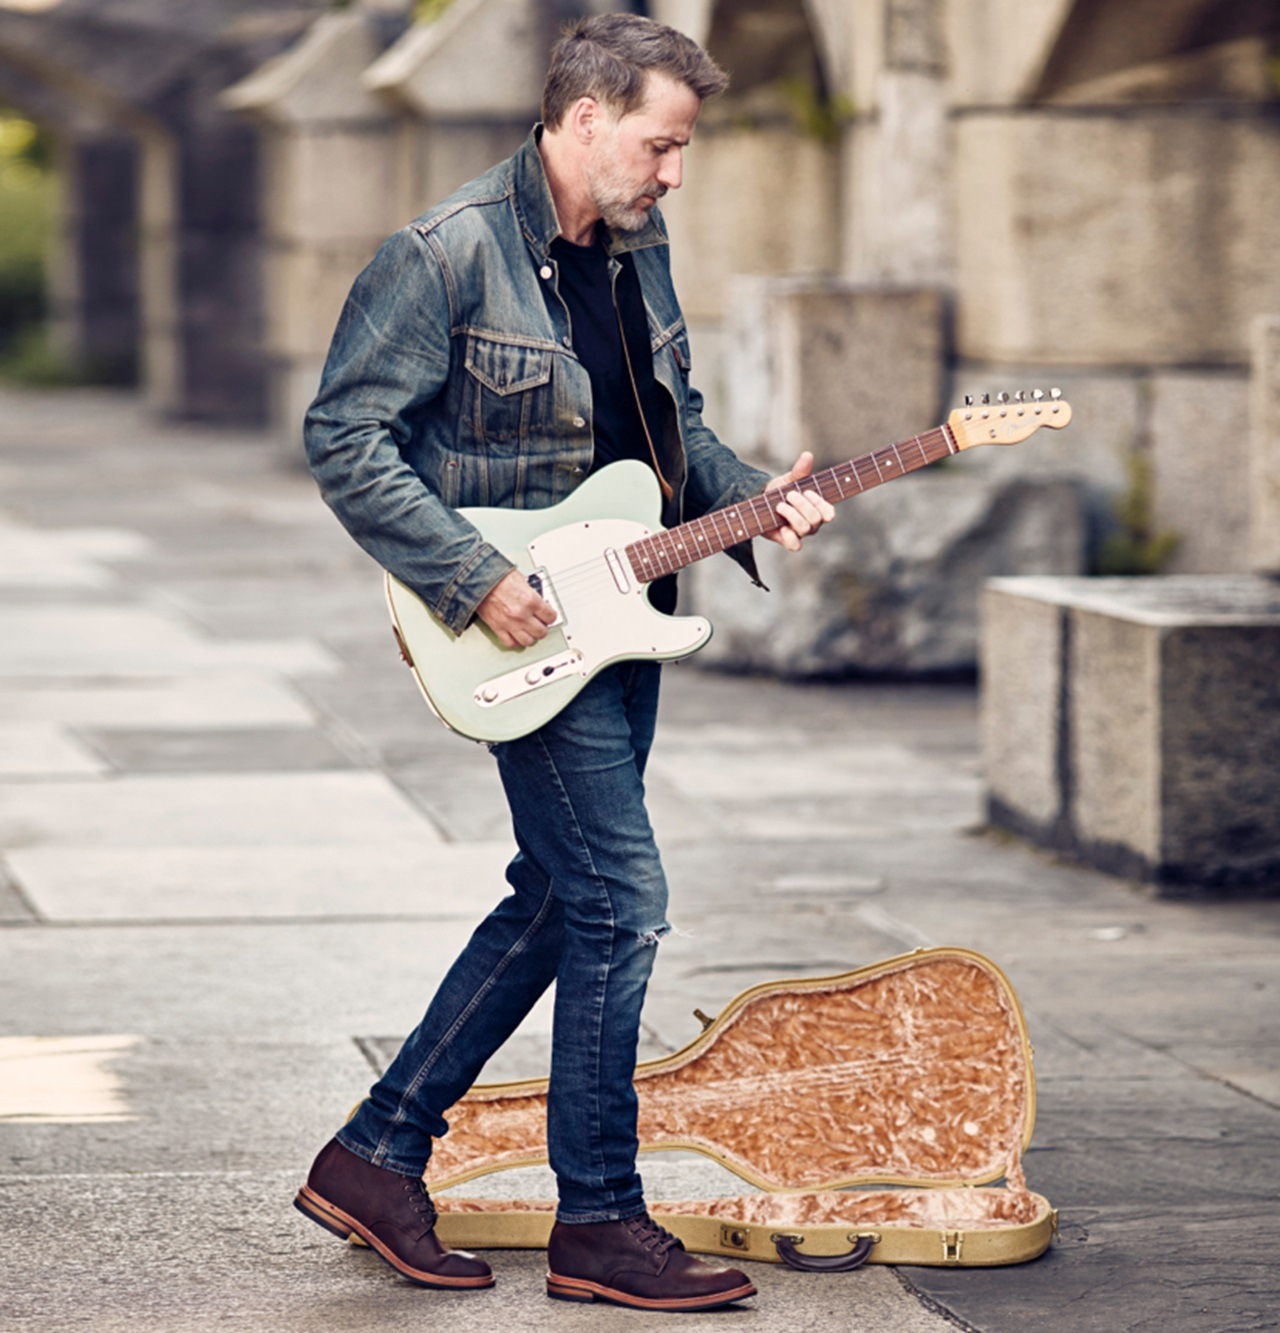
{"x": 133, "y": 94}
{"x": 1149, "y": 48}
{"x": 92, "y": 272}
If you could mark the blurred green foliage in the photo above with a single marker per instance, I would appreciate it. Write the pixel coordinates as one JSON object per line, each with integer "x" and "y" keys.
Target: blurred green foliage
{"x": 427, "y": 11}
{"x": 26, "y": 216}
{"x": 820, "y": 117}
{"x": 1136, "y": 546}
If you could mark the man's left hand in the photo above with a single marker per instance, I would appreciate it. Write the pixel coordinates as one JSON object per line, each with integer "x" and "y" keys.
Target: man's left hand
{"x": 802, "y": 512}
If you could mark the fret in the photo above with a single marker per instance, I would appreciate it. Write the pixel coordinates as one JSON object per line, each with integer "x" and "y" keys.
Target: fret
{"x": 667, "y": 551}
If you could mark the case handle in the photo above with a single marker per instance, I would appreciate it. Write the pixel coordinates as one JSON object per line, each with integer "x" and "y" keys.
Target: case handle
{"x": 823, "y": 1263}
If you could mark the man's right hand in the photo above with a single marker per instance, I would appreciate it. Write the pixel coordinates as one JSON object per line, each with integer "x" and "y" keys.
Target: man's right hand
{"x": 515, "y": 613}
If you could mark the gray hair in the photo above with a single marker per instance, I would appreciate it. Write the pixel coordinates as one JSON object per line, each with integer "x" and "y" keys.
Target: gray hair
{"x": 609, "y": 57}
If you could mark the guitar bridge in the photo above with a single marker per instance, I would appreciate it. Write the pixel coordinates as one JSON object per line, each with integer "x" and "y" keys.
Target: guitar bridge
{"x": 524, "y": 680}
{"x": 540, "y": 581}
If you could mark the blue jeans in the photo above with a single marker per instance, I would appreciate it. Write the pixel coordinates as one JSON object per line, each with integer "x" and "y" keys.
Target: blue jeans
{"x": 587, "y": 908}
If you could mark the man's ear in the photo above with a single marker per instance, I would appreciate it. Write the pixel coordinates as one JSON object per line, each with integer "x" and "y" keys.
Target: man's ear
{"x": 584, "y": 118}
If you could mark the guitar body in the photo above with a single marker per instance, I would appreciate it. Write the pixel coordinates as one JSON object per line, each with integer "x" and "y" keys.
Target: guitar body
{"x": 593, "y": 556}
{"x": 572, "y": 552}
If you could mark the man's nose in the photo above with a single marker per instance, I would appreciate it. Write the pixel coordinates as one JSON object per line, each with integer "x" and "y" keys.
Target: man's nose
{"x": 671, "y": 170}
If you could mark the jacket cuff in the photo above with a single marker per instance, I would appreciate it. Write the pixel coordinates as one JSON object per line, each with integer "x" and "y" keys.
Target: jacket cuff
{"x": 475, "y": 579}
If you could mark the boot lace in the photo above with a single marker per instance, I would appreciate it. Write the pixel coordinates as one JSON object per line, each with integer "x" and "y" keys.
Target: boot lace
{"x": 420, "y": 1201}
{"x": 651, "y": 1236}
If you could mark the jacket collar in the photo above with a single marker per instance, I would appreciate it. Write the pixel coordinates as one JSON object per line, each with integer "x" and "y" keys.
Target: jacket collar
{"x": 537, "y": 210}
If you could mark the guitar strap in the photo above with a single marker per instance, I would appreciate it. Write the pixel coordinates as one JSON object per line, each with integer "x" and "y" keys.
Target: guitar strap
{"x": 667, "y": 490}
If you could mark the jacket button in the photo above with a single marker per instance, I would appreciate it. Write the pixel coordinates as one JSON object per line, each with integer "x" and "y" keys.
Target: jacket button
{"x": 544, "y": 271}
{"x": 579, "y": 422}
{"x": 568, "y": 342}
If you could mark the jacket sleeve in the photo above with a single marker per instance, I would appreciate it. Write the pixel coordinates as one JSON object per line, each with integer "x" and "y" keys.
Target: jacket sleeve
{"x": 389, "y": 358}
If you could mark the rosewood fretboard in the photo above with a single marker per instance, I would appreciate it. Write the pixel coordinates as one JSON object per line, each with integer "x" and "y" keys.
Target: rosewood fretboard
{"x": 674, "y": 548}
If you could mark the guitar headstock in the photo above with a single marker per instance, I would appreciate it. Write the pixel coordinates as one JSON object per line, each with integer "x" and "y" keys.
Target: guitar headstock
{"x": 1007, "y": 420}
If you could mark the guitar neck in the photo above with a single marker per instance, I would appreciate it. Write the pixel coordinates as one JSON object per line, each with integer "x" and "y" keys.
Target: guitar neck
{"x": 672, "y": 549}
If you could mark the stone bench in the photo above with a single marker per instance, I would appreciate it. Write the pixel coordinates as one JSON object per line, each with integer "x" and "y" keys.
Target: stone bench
{"x": 1134, "y": 724}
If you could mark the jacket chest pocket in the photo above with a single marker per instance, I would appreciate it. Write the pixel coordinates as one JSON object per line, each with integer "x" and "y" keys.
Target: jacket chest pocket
{"x": 508, "y": 389}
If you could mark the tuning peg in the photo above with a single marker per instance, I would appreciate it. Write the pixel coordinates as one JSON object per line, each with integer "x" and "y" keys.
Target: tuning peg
{"x": 1055, "y": 394}
{"x": 968, "y": 400}
{"x": 1020, "y": 396}
{"x": 985, "y": 399}
{"x": 1002, "y": 398}
{"x": 1038, "y": 395}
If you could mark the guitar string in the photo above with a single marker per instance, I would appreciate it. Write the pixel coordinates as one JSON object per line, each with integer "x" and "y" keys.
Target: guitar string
{"x": 855, "y": 470}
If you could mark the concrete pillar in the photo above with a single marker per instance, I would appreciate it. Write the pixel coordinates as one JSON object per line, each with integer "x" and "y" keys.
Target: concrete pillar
{"x": 328, "y": 195}
{"x": 1264, "y": 445}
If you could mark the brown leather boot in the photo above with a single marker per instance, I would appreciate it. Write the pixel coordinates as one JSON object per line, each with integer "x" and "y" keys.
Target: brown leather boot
{"x": 636, "y": 1263}
{"x": 389, "y": 1212}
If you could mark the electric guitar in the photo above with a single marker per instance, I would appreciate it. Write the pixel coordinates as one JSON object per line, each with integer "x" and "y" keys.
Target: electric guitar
{"x": 593, "y": 555}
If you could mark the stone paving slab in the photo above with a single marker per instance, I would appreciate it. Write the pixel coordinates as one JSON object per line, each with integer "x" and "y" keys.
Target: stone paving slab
{"x": 251, "y": 1262}
{"x": 92, "y": 641}
{"x": 208, "y": 700}
{"x": 40, "y": 750}
{"x": 73, "y": 558}
{"x": 204, "y": 810}
{"x": 353, "y": 880}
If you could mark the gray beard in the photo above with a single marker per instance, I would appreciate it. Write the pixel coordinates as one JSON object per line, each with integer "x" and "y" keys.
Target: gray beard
{"x": 614, "y": 199}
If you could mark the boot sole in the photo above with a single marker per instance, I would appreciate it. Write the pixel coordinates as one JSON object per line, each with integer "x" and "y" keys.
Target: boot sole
{"x": 579, "y": 1289}
{"x": 345, "y": 1227}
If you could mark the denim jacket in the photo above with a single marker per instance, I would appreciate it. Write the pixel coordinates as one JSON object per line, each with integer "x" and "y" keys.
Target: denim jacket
{"x": 452, "y": 382}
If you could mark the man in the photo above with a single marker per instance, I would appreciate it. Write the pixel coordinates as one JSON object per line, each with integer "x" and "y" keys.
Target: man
{"x": 519, "y": 335}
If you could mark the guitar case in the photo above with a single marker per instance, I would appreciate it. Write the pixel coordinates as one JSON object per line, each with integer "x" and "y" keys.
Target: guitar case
{"x": 872, "y": 1113}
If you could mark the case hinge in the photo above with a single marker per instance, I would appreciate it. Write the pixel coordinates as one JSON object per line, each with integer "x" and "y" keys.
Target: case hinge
{"x": 952, "y": 1244}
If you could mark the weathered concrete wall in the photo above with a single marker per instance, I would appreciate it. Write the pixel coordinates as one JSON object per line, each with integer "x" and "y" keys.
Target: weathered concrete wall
{"x": 1115, "y": 238}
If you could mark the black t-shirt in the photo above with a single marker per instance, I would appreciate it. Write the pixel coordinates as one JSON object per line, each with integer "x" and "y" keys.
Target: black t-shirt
{"x": 617, "y": 427}
{"x": 587, "y": 290}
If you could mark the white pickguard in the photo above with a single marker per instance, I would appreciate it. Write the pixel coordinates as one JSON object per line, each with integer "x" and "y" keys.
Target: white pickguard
{"x": 576, "y": 550}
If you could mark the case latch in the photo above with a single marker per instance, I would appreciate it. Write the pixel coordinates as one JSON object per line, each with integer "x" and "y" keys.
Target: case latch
{"x": 735, "y": 1237}
{"x": 952, "y": 1244}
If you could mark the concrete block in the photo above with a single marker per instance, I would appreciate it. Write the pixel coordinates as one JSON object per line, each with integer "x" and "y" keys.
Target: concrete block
{"x": 441, "y": 157}
{"x": 1182, "y": 208}
{"x": 1264, "y": 446}
{"x": 832, "y": 367}
{"x": 1112, "y": 683}
{"x": 1199, "y": 441}
{"x": 1166, "y": 736}
{"x": 1021, "y": 667}
{"x": 758, "y": 200}
{"x": 330, "y": 184}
